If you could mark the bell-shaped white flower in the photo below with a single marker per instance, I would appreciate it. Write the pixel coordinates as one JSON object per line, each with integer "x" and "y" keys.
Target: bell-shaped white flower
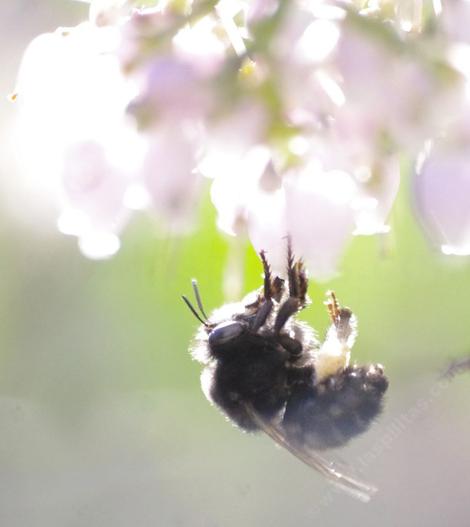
{"x": 442, "y": 197}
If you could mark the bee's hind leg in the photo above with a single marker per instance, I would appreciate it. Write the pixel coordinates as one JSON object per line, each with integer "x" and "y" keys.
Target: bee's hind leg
{"x": 342, "y": 318}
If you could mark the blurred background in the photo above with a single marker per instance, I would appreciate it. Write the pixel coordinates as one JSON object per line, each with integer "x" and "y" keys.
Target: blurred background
{"x": 102, "y": 420}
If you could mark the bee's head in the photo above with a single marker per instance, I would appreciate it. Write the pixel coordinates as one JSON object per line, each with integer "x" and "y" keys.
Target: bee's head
{"x": 225, "y": 335}
{"x": 222, "y": 333}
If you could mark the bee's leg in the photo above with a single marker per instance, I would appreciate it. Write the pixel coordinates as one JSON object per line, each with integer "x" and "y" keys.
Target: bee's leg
{"x": 297, "y": 283}
{"x": 267, "y": 276}
{"x": 266, "y": 303}
{"x": 296, "y": 276}
{"x": 273, "y": 287}
{"x": 342, "y": 318}
{"x": 287, "y": 309}
{"x": 262, "y": 314}
{"x": 292, "y": 346}
{"x": 277, "y": 288}
{"x": 332, "y": 306}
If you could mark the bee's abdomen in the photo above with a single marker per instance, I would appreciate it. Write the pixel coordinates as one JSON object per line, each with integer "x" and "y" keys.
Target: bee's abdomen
{"x": 332, "y": 412}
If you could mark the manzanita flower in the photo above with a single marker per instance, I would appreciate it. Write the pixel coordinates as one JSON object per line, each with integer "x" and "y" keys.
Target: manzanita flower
{"x": 298, "y": 112}
{"x": 442, "y": 195}
{"x": 314, "y": 208}
{"x": 320, "y": 216}
{"x": 456, "y": 19}
{"x": 236, "y": 189}
{"x": 93, "y": 191}
{"x": 74, "y": 131}
{"x": 390, "y": 89}
{"x": 169, "y": 174}
{"x": 378, "y": 188}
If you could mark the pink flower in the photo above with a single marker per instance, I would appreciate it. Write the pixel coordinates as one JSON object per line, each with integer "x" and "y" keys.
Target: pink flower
{"x": 319, "y": 217}
{"x": 92, "y": 199}
{"x": 169, "y": 173}
{"x": 455, "y": 20}
{"x": 377, "y": 189}
{"x": 236, "y": 189}
{"x": 442, "y": 197}
{"x": 314, "y": 208}
{"x": 173, "y": 89}
{"x": 74, "y": 132}
{"x": 391, "y": 90}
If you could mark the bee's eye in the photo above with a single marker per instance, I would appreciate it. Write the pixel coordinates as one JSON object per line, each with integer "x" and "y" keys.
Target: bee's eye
{"x": 225, "y": 332}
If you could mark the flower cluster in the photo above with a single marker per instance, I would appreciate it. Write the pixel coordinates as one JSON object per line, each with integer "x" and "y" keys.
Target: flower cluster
{"x": 298, "y": 112}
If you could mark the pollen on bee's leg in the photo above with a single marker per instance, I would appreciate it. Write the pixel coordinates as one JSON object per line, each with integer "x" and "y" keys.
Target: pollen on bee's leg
{"x": 332, "y": 357}
{"x": 334, "y": 354}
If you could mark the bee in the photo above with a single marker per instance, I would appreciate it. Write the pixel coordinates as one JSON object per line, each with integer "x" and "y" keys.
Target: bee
{"x": 267, "y": 371}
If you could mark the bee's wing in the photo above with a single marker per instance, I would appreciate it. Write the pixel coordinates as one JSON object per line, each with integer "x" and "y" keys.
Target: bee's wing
{"x": 356, "y": 488}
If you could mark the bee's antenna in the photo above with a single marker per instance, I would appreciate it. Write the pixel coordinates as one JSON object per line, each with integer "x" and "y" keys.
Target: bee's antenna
{"x": 198, "y": 298}
{"x": 193, "y": 311}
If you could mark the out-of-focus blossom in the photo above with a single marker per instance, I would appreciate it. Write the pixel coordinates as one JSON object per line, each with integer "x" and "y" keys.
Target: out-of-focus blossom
{"x": 298, "y": 113}
{"x": 259, "y": 10}
{"x": 315, "y": 209}
{"x": 92, "y": 198}
{"x": 229, "y": 140}
{"x": 410, "y": 14}
{"x": 93, "y": 191}
{"x": 378, "y": 188}
{"x": 74, "y": 134}
{"x": 319, "y": 216}
{"x": 107, "y": 12}
{"x": 70, "y": 88}
{"x": 169, "y": 174}
{"x": 173, "y": 90}
{"x": 236, "y": 189}
{"x": 442, "y": 195}
{"x": 391, "y": 89}
{"x": 456, "y": 20}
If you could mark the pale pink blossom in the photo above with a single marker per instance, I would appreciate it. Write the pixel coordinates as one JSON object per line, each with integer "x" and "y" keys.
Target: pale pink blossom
{"x": 442, "y": 197}
{"x": 455, "y": 19}
{"x": 169, "y": 174}
{"x": 259, "y": 10}
{"x": 378, "y": 187}
{"x": 139, "y": 32}
{"x": 93, "y": 186}
{"x": 268, "y": 229}
{"x": 319, "y": 217}
{"x": 392, "y": 90}
{"x": 315, "y": 209}
{"x": 236, "y": 189}
{"x": 73, "y": 129}
{"x": 173, "y": 89}
{"x": 92, "y": 199}
{"x": 230, "y": 137}
{"x": 298, "y": 112}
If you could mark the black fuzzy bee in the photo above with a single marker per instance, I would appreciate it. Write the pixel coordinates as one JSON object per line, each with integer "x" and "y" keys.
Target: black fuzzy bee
{"x": 267, "y": 371}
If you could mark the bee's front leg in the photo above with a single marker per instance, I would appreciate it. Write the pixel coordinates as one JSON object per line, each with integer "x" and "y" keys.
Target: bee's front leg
{"x": 266, "y": 302}
{"x": 298, "y": 283}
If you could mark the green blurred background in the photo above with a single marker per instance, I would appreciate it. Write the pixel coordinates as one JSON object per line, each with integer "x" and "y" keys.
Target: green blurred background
{"x": 102, "y": 420}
